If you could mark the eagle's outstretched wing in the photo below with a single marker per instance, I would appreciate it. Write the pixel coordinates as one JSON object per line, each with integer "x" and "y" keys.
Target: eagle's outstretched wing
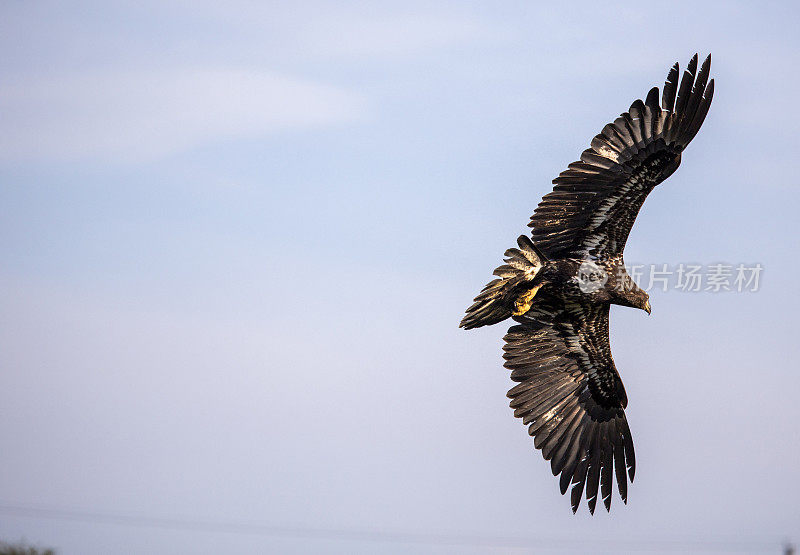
{"x": 592, "y": 208}
{"x": 571, "y": 396}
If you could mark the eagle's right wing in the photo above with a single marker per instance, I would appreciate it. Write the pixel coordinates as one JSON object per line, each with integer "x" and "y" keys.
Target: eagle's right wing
{"x": 571, "y": 396}
{"x": 595, "y": 201}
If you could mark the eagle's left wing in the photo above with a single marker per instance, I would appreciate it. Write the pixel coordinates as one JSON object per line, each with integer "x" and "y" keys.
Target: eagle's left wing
{"x": 571, "y": 396}
{"x": 595, "y": 201}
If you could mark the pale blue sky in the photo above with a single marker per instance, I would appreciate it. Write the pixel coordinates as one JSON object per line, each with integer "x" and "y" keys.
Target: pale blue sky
{"x": 237, "y": 242}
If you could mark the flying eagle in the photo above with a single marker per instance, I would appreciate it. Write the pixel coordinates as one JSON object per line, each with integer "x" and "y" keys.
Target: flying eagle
{"x": 559, "y": 284}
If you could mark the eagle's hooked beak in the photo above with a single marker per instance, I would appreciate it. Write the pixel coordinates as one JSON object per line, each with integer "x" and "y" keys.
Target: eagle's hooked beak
{"x": 647, "y": 307}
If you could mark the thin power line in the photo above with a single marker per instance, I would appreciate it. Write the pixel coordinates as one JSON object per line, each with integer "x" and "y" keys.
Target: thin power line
{"x": 370, "y": 535}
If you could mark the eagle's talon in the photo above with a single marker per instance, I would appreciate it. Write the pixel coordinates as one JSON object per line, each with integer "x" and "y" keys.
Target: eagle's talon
{"x": 525, "y": 301}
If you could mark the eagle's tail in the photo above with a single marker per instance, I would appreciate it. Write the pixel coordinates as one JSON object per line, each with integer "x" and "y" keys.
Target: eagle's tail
{"x": 512, "y": 292}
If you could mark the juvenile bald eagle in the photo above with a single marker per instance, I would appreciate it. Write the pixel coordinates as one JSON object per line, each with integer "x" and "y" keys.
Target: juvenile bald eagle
{"x": 559, "y": 284}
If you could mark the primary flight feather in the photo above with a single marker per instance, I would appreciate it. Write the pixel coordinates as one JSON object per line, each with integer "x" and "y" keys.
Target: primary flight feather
{"x": 559, "y": 284}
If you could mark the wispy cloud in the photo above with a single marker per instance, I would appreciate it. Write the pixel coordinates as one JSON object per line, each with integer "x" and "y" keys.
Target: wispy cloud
{"x": 136, "y": 115}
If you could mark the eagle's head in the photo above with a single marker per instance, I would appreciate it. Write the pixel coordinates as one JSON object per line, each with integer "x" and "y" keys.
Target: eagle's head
{"x": 639, "y": 299}
{"x": 631, "y": 295}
